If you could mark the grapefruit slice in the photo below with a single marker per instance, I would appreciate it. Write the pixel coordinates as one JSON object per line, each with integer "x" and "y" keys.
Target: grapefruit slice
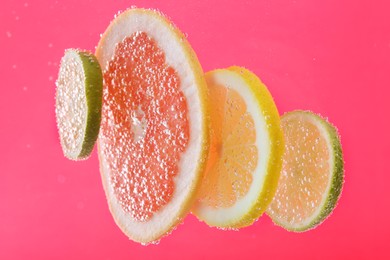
{"x": 312, "y": 172}
{"x": 154, "y": 135}
{"x": 245, "y": 153}
{"x": 78, "y": 103}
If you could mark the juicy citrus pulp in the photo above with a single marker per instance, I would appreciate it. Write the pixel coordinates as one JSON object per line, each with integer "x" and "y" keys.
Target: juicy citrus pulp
{"x": 78, "y": 103}
{"x": 154, "y": 137}
{"x": 312, "y": 172}
{"x": 144, "y": 101}
{"x": 245, "y": 152}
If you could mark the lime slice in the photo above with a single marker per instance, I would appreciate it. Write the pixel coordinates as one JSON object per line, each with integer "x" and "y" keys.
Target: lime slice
{"x": 312, "y": 173}
{"x": 78, "y": 103}
{"x": 245, "y": 152}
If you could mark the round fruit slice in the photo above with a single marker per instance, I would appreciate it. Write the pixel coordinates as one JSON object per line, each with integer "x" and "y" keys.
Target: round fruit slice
{"x": 154, "y": 134}
{"x": 312, "y": 173}
{"x": 245, "y": 153}
{"x": 78, "y": 103}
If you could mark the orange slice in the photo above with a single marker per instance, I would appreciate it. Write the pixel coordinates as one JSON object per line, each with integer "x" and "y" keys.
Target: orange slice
{"x": 153, "y": 143}
{"x": 245, "y": 153}
{"x": 312, "y": 172}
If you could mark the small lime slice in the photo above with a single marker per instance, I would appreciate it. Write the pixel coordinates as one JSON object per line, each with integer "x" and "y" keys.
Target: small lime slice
{"x": 78, "y": 103}
{"x": 312, "y": 174}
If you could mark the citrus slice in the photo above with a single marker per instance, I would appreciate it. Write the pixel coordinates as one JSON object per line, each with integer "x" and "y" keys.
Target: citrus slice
{"x": 245, "y": 153}
{"x": 78, "y": 103}
{"x": 154, "y": 133}
{"x": 312, "y": 172}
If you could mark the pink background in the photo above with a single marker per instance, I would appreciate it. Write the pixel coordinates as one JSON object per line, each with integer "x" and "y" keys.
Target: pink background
{"x": 332, "y": 57}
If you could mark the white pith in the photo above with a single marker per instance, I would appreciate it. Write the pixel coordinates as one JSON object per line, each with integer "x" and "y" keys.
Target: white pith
{"x": 168, "y": 40}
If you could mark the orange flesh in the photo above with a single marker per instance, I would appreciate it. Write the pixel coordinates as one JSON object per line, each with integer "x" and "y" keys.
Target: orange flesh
{"x": 305, "y": 171}
{"x": 233, "y": 155}
{"x": 144, "y": 127}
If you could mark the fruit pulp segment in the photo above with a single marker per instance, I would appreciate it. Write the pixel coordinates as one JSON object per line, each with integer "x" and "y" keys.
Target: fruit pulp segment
{"x": 305, "y": 171}
{"x": 233, "y": 154}
{"x": 144, "y": 125}
{"x": 71, "y": 108}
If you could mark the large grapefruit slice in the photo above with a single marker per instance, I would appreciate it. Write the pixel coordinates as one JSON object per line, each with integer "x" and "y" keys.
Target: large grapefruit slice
{"x": 153, "y": 143}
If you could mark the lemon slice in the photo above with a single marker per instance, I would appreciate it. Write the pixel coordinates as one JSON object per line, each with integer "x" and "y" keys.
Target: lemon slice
{"x": 245, "y": 153}
{"x": 154, "y": 135}
{"x": 78, "y": 103}
{"x": 312, "y": 172}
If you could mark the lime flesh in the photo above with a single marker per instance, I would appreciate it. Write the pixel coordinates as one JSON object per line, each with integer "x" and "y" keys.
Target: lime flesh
{"x": 312, "y": 172}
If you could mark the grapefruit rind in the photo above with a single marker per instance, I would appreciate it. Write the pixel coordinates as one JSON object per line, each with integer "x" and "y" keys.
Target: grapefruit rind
{"x": 93, "y": 85}
{"x": 180, "y": 56}
{"x": 262, "y": 108}
{"x": 334, "y": 188}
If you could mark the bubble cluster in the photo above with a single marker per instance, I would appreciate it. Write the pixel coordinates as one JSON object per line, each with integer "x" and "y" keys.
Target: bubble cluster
{"x": 71, "y": 105}
{"x": 144, "y": 127}
{"x": 305, "y": 172}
